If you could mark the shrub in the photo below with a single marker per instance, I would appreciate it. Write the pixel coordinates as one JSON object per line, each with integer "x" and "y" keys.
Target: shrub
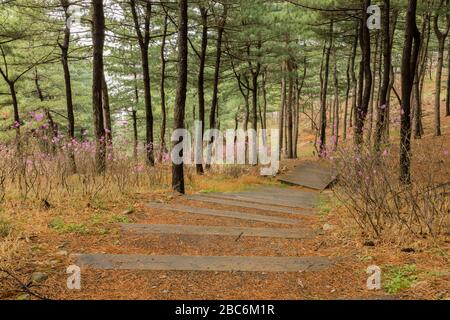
{"x": 370, "y": 188}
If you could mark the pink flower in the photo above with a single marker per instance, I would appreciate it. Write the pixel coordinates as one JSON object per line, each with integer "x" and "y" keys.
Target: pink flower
{"x": 38, "y": 117}
{"x": 446, "y": 153}
{"x": 385, "y": 153}
{"x": 166, "y": 157}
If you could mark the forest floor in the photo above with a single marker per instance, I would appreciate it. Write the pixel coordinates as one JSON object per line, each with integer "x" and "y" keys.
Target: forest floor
{"x": 49, "y": 238}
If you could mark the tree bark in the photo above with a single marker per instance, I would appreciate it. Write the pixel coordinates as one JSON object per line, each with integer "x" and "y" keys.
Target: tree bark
{"x": 324, "y": 93}
{"x": 98, "y": 38}
{"x": 68, "y": 83}
{"x": 354, "y": 79}
{"x": 336, "y": 122}
{"x": 409, "y": 67}
{"x": 201, "y": 77}
{"x": 283, "y": 104}
{"x": 289, "y": 112}
{"x": 144, "y": 41}
{"x": 106, "y": 112}
{"x": 441, "y": 37}
{"x": 366, "y": 84}
{"x": 215, "y": 98}
{"x": 163, "y": 148}
{"x": 419, "y": 80}
{"x": 372, "y": 95}
{"x": 180, "y": 106}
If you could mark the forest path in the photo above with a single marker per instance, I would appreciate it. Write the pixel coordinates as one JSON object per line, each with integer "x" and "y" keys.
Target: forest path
{"x": 265, "y": 242}
{"x": 266, "y": 230}
{"x": 276, "y": 206}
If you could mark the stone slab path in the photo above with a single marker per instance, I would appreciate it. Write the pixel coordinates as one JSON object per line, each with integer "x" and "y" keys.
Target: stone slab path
{"x": 148, "y": 229}
{"x": 204, "y": 263}
{"x": 243, "y": 204}
{"x": 261, "y": 198}
{"x": 271, "y": 201}
{"x": 313, "y": 175}
{"x": 222, "y": 213}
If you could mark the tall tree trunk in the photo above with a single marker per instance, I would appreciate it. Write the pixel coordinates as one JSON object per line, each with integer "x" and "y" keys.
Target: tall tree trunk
{"x": 372, "y": 95}
{"x": 437, "y": 101}
{"x": 53, "y": 127}
{"x": 419, "y": 79}
{"x": 15, "y": 102}
{"x": 441, "y": 37}
{"x": 135, "y": 134}
{"x": 350, "y": 69}
{"x": 163, "y": 148}
{"x": 366, "y": 84}
{"x": 289, "y": 112}
{"x": 255, "y": 75}
{"x": 386, "y": 134}
{"x": 336, "y": 122}
{"x": 215, "y": 98}
{"x": 447, "y": 102}
{"x": 134, "y": 119}
{"x": 324, "y": 93}
{"x": 213, "y": 121}
{"x": 283, "y": 104}
{"x": 106, "y": 112}
{"x": 264, "y": 94}
{"x": 180, "y": 105}
{"x": 144, "y": 41}
{"x": 201, "y": 77}
{"x": 409, "y": 67}
{"x": 68, "y": 83}
{"x": 98, "y": 39}
{"x": 354, "y": 79}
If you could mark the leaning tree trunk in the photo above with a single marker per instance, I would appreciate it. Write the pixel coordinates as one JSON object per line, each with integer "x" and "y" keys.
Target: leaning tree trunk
{"x": 180, "y": 105}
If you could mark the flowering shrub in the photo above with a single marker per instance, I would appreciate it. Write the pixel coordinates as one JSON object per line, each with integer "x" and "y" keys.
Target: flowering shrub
{"x": 370, "y": 188}
{"x": 40, "y": 167}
